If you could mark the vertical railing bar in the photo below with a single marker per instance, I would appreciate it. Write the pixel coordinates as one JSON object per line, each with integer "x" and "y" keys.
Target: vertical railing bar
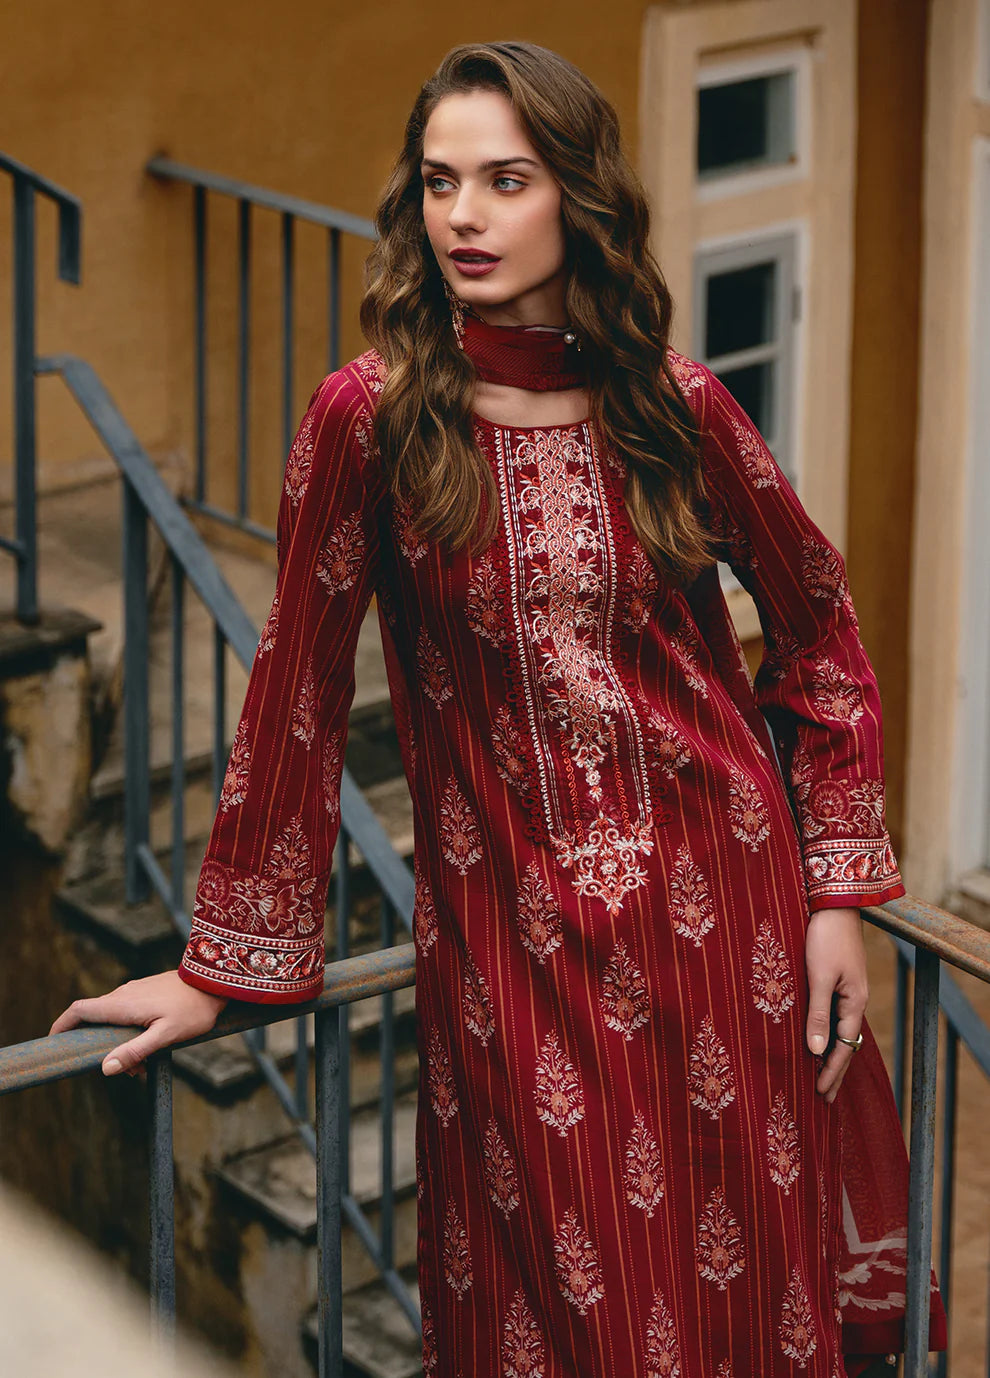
{"x": 900, "y": 1030}
{"x": 243, "y": 356}
{"x": 328, "y": 1223}
{"x": 199, "y": 234}
{"x": 288, "y": 327}
{"x": 178, "y": 737}
{"x": 342, "y": 896}
{"x": 137, "y": 773}
{"x": 219, "y": 710}
{"x": 924, "y": 1071}
{"x": 949, "y": 1101}
{"x": 302, "y": 1068}
{"x": 387, "y": 1100}
{"x": 25, "y": 437}
{"x": 162, "y": 1201}
{"x": 333, "y": 300}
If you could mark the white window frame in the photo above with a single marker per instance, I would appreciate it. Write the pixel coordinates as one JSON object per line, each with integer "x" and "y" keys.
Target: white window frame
{"x": 713, "y": 186}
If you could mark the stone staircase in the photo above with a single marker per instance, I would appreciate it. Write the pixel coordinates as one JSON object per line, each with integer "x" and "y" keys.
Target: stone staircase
{"x": 245, "y": 1185}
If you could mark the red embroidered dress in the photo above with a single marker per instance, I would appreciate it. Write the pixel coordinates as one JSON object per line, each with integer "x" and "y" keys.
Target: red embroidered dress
{"x": 623, "y": 1167}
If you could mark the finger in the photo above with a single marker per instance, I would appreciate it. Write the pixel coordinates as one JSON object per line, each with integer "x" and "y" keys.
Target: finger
{"x": 128, "y": 1056}
{"x": 72, "y": 1016}
{"x": 848, "y": 1025}
{"x": 819, "y": 1012}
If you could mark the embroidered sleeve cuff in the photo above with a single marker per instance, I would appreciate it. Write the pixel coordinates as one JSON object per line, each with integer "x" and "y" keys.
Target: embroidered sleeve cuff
{"x": 850, "y": 873}
{"x": 256, "y": 937}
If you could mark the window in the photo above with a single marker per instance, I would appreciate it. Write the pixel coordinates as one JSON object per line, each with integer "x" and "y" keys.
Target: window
{"x": 745, "y": 307}
{"x": 745, "y": 124}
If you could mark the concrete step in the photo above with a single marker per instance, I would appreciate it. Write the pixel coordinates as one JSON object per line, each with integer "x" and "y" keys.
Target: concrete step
{"x": 379, "y": 1341}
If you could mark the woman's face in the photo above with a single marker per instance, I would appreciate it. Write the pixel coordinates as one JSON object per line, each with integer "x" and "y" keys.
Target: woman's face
{"x": 486, "y": 191}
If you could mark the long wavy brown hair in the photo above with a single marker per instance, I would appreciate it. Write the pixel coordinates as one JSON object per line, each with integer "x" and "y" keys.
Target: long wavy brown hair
{"x": 616, "y": 298}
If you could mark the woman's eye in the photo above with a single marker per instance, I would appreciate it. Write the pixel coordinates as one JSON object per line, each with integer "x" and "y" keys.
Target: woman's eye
{"x": 507, "y": 177}
{"x": 432, "y": 181}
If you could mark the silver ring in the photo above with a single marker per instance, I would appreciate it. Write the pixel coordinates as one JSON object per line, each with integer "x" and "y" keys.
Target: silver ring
{"x": 854, "y": 1043}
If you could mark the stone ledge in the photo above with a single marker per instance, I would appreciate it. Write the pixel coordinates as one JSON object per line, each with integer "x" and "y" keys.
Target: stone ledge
{"x": 27, "y": 649}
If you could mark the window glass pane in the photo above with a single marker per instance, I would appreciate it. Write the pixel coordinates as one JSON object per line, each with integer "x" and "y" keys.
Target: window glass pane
{"x": 753, "y": 389}
{"x": 739, "y": 309}
{"x": 746, "y": 123}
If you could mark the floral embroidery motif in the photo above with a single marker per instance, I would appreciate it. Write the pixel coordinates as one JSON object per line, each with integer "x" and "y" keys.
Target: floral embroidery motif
{"x": 559, "y": 1098}
{"x": 485, "y": 613}
{"x": 426, "y": 929}
{"x": 780, "y": 654}
{"x": 668, "y": 747}
{"x": 724, "y": 1370}
{"x": 434, "y": 674}
{"x": 772, "y": 982}
{"x": 719, "y": 1250}
{"x": 443, "y": 1094}
{"x": 537, "y": 915}
{"x": 797, "y": 1326}
{"x": 412, "y": 544}
{"x": 430, "y": 1355}
{"x": 500, "y": 1171}
{"x": 511, "y": 760}
{"x": 578, "y": 1269}
{"x": 643, "y": 1171}
{"x": 290, "y": 856}
{"x": 749, "y": 817}
{"x": 340, "y": 559}
{"x": 477, "y": 1002}
{"x": 299, "y": 464}
{"x": 691, "y": 910}
{"x": 304, "y": 713}
{"x": 456, "y": 1255}
{"x": 269, "y": 631}
{"x": 710, "y": 1080}
{"x": 663, "y": 1354}
{"x": 822, "y": 572}
{"x": 783, "y": 1145}
{"x": 686, "y": 646}
{"x": 689, "y": 375}
{"x": 842, "y": 867}
{"x": 643, "y": 586}
{"x": 235, "y": 778}
{"x": 625, "y": 1000}
{"x": 459, "y": 835}
{"x": 332, "y": 766}
{"x": 523, "y": 1354}
{"x": 756, "y": 458}
{"x": 836, "y": 695}
{"x": 606, "y": 865}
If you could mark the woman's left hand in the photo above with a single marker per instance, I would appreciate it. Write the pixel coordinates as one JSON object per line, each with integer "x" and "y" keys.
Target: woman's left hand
{"x": 835, "y": 955}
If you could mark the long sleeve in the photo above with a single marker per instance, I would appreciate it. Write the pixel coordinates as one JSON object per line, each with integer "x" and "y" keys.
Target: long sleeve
{"x": 258, "y": 914}
{"x": 815, "y": 685}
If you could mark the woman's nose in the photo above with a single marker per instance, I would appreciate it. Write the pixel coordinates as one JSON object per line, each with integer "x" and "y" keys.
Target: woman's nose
{"x": 466, "y": 211}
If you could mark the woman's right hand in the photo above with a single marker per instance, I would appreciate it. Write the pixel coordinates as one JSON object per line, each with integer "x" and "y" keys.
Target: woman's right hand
{"x": 170, "y": 1009}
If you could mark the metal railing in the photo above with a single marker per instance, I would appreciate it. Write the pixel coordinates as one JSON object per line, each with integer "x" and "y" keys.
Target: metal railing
{"x": 147, "y": 499}
{"x": 933, "y": 937}
{"x": 27, "y": 186}
{"x": 291, "y": 210}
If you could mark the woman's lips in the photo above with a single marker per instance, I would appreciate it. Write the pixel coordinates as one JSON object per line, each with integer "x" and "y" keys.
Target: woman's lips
{"x": 474, "y": 267}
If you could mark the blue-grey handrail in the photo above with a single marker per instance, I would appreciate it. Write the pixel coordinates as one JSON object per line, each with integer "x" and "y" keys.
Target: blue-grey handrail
{"x": 27, "y": 186}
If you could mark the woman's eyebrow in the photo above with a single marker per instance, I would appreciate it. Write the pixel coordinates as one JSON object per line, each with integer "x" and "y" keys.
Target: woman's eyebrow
{"x": 488, "y": 166}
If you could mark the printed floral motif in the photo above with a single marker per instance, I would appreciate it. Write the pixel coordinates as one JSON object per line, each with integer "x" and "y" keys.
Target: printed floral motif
{"x": 797, "y": 1326}
{"x": 771, "y": 978}
{"x": 689, "y": 375}
{"x": 625, "y": 1000}
{"x": 456, "y": 1254}
{"x": 781, "y": 653}
{"x": 266, "y": 641}
{"x": 686, "y": 647}
{"x": 477, "y": 1002}
{"x": 724, "y": 1370}
{"x": 500, "y": 1171}
{"x": 836, "y": 695}
{"x": 509, "y": 748}
{"x": 412, "y": 544}
{"x": 691, "y": 909}
{"x": 822, "y": 572}
{"x": 304, "y": 712}
{"x": 668, "y": 747}
{"x": 783, "y": 1145}
{"x": 643, "y": 1170}
{"x": 299, "y": 463}
{"x": 235, "y": 779}
{"x": 290, "y": 857}
{"x": 434, "y": 673}
{"x": 459, "y": 835}
{"x": 643, "y": 585}
{"x": 443, "y": 1093}
{"x": 749, "y": 817}
{"x": 756, "y": 458}
{"x": 426, "y": 929}
{"x": 523, "y": 1354}
{"x": 485, "y": 609}
{"x": 663, "y": 1353}
{"x": 578, "y": 1269}
{"x": 559, "y": 1098}
{"x": 710, "y": 1079}
{"x": 537, "y": 915}
{"x": 719, "y": 1249}
{"x": 430, "y": 1356}
{"x": 340, "y": 559}
{"x": 332, "y": 766}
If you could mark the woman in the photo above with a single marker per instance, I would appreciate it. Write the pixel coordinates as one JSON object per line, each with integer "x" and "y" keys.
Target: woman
{"x": 628, "y": 1160}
